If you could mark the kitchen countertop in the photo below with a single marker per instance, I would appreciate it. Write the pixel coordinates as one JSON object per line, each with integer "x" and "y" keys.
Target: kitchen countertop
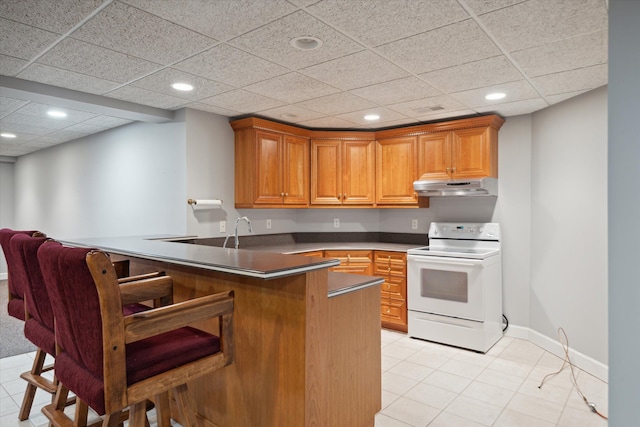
{"x": 242, "y": 262}
{"x": 297, "y": 248}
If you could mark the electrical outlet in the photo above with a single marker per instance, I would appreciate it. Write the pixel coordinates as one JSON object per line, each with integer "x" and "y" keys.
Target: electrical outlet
{"x": 223, "y": 226}
{"x": 414, "y": 224}
{"x": 268, "y": 224}
{"x": 336, "y": 223}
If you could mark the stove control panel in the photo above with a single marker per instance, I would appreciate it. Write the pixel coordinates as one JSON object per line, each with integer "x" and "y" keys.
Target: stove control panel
{"x": 464, "y": 230}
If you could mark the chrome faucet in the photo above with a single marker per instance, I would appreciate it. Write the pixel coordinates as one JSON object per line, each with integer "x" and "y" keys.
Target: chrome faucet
{"x": 236, "y": 239}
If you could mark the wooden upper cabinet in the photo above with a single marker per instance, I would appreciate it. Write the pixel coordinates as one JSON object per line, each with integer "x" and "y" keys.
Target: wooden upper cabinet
{"x": 271, "y": 167}
{"x": 396, "y": 171}
{"x": 342, "y": 172}
{"x": 474, "y": 153}
{"x": 459, "y": 154}
{"x": 434, "y": 156}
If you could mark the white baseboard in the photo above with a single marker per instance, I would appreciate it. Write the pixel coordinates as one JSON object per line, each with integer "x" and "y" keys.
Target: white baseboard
{"x": 582, "y": 361}
{"x": 4, "y": 276}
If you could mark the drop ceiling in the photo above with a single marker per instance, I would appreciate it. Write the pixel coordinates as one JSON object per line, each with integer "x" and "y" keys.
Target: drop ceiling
{"x": 109, "y": 63}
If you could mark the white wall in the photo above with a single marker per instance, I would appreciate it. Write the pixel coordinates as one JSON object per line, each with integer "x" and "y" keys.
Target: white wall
{"x": 125, "y": 181}
{"x": 6, "y": 205}
{"x": 569, "y": 222}
{"x": 624, "y": 211}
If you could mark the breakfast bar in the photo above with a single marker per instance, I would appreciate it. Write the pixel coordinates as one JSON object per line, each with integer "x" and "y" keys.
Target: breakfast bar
{"x": 307, "y": 341}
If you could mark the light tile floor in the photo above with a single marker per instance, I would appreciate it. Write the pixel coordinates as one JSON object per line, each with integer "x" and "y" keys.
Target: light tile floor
{"x": 427, "y": 384}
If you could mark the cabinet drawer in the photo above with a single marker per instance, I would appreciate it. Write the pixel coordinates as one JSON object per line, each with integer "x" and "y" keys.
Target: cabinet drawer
{"x": 353, "y": 269}
{"x": 351, "y": 257}
{"x": 394, "y": 312}
{"x": 386, "y": 269}
{"x": 390, "y": 257}
{"x": 396, "y": 287}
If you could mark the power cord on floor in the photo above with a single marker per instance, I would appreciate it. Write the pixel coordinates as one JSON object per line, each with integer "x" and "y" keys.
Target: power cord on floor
{"x": 567, "y": 360}
{"x": 506, "y": 323}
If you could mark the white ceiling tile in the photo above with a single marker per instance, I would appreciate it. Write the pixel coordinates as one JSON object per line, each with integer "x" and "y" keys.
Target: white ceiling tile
{"x": 360, "y": 69}
{"x": 480, "y": 7}
{"x": 386, "y": 115}
{"x": 378, "y": 22}
{"x": 9, "y": 105}
{"x": 40, "y": 110}
{"x": 84, "y": 58}
{"x": 39, "y": 121}
{"x": 291, "y": 114}
{"x": 537, "y": 22}
{"x": 162, "y": 80}
{"x": 395, "y": 91}
{"x": 515, "y": 108}
{"x": 515, "y": 91}
{"x": 9, "y": 65}
{"x": 562, "y": 55}
{"x": 243, "y": 101}
{"x": 573, "y": 81}
{"x": 65, "y": 135}
{"x": 57, "y": 16}
{"x": 221, "y": 20}
{"x": 18, "y": 128}
{"x": 291, "y": 88}
{"x": 68, "y": 79}
{"x": 231, "y": 66}
{"x": 22, "y": 41}
{"x": 19, "y": 139}
{"x": 441, "y": 48}
{"x": 129, "y": 30}
{"x": 485, "y": 72}
{"x": 146, "y": 97}
{"x": 445, "y": 114}
{"x": 338, "y": 103}
{"x": 328, "y": 123}
{"x": 422, "y": 107}
{"x": 391, "y": 123}
{"x": 212, "y": 109}
{"x": 273, "y": 41}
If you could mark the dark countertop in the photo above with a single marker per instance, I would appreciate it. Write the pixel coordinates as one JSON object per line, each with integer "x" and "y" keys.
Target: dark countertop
{"x": 342, "y": 283}
{"x": 253, "y": 263}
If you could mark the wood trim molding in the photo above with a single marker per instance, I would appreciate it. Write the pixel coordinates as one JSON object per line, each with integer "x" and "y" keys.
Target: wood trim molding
{"x": 493, "y": 121}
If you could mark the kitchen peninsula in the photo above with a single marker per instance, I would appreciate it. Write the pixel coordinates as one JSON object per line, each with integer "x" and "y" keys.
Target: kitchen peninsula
{"x": 307, "y": 341}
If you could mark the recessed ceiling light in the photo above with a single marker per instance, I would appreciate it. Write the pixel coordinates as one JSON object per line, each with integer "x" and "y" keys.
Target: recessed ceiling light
{"x": 494, "y": 96}
{"x": 8, "y": 135}
{"x": 182, "y": 86}
{"x": 371, "y": 117}
{"x": 57, "y": 113}
{"x": 306, "y": 43}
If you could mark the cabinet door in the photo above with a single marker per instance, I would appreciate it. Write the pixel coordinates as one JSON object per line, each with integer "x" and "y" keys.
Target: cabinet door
{"x": 471, "y": 153}
{"x": 295, "y": 152}
{"x": 395, "y": 171}
{"x": 434, "y": 156}
{"x": 326, "y": 172}
{"x": 358, "y": 172}
{"x": 268, "y": 168}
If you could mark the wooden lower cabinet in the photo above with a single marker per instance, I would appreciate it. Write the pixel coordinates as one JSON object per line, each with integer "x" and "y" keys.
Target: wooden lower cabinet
{"x": 356, "y": 262}
{"x": 392, "y": 266}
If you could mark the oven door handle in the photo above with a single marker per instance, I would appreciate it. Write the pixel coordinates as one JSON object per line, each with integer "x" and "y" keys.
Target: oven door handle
{"x": 443, "y": 260}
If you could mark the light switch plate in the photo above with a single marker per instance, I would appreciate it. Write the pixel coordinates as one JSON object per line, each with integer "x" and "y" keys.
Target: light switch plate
{"x": 336, "y": 223}
{"x": 223, "y": 226}
{"x": 414, "y": 224}
{"x": 268, "y": 224}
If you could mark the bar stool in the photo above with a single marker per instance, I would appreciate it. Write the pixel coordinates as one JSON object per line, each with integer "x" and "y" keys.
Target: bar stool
{"x": 112, "y": 361}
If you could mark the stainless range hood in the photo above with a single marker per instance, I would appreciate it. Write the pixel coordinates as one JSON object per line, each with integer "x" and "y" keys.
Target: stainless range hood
{"x": 461, "y": 187}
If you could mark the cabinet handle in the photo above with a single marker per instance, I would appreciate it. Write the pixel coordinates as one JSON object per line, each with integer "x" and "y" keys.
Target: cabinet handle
{"x": 448, "y": 169}
{"x": 389, "y": 269}
{"x": 281, "y": 194}
{"x": 454, "y": 169}
{"x": 415, "y": 195}
{"x": 349, "y": 257}
{"x": 339, "y": 196}
{"x": 388, "y": 287}
{"x": 388, "y": 310}
{"x": 286, "y": 194}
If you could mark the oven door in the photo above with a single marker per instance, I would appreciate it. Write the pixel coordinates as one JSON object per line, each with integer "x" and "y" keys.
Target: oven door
{"x": 445, "y": 286}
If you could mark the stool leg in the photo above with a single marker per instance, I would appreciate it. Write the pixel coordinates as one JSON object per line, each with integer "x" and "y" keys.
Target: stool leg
{"x": 30, "y": 393}
{"x": 185, "y": 409}
{"x": 82, "y": 412}
{"x": 163, "y": 410}
{"x": 138, "y": 414}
